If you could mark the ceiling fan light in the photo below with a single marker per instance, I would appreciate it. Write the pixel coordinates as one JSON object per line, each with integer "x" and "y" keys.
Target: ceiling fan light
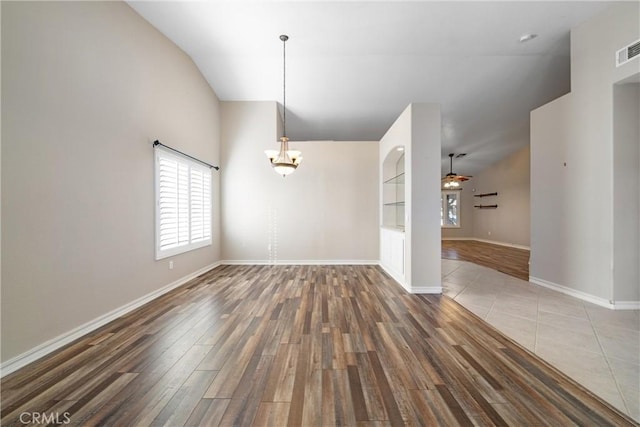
{"x": 452, "y": 179}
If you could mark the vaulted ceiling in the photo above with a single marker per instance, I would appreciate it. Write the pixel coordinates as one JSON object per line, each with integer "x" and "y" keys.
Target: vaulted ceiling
{"x": 352, "y": 66}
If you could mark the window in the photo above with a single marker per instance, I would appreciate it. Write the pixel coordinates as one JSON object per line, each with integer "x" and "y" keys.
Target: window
{"x": 183, "y": 204}
{"x": 449, "y": 209}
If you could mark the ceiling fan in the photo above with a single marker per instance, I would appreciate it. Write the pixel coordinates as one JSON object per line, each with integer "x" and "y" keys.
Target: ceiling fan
{"x": 451, "y": 181}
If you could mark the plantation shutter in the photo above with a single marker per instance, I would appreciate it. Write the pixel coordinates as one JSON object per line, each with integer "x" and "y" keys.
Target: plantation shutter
{"x": 183, "y": 204}
{"x": 200, "y": 205}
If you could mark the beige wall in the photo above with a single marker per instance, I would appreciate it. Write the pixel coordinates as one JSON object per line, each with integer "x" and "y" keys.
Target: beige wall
{"x": 509, "y": 223}
{"x": 86, "y": 88}
{"x": 572, "y": 163}
{"x": 626, "y": 192}
{"x": 327, "y": 210}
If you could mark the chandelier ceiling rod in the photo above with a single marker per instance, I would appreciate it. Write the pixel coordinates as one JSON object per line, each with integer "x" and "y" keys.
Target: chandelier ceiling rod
{"x": 284, "y": 39}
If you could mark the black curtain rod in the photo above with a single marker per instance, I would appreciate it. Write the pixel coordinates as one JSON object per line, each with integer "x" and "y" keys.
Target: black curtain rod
{"x": 156, "y": 142}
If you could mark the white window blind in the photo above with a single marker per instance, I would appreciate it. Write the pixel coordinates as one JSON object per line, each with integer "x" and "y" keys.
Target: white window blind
{"x": 183, "y": 204}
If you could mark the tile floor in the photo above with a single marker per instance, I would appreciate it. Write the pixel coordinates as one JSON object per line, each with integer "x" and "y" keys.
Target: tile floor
{"x": 597, "y": 347}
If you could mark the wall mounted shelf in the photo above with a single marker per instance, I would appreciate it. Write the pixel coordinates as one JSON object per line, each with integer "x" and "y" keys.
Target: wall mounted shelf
{"x": 485, "y": 206}
{"x": 486, "y": 194}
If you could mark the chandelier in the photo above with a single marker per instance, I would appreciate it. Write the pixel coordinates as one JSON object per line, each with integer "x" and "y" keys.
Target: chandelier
{"x": 284, "y": 161}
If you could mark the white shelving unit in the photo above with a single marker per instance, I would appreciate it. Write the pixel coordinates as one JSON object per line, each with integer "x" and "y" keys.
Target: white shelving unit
{"x": 393, "y": 213}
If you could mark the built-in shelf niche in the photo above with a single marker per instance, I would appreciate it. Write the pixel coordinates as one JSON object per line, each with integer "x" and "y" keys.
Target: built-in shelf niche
{"x": 393, "y": 189}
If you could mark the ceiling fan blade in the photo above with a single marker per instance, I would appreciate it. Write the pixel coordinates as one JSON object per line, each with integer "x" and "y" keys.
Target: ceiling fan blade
{"x": 456, "y": 177}
{"x": 452, "y": 176}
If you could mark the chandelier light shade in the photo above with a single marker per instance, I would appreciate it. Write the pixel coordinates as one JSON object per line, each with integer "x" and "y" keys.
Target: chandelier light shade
{"x": 284, "y": 161}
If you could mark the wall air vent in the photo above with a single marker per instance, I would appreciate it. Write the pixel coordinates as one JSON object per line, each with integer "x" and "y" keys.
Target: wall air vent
{"x": 627, "y": 53}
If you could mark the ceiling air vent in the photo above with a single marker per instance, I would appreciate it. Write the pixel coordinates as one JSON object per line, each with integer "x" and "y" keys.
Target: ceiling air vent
{"x": 627, "y": 53}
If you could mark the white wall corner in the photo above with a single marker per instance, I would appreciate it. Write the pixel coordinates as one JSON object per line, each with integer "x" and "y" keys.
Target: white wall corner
{"x": 54, "y": 344}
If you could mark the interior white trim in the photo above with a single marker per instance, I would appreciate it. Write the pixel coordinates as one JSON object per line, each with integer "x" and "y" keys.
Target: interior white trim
{"x": 302, "y": 262}
{"x": 426, "y": 290}
{"x": 411, "y": 289}
{"x": 602, "y": 302}
{"x": 395, "y": 276}
{"x": 571, "y": 292}
{"x": 53, "y": 344}
{"x": 493, "y": 242}
{"x": 626, "y": 305}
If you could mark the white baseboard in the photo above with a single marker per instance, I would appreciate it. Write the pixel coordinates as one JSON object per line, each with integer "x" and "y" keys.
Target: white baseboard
{"x": 301, "y": 262}
{"x": 493, "y": 242}
{"x": 571, "y": 292}
{"x": 626, "y": 305}
{"x": 395, "y": 276}
{"x": 602, "y": 302}
{"x": 509, "y": 245}
{"x": 50, "y": 346}
{"x": 426, "y": 290}
{"x": 411, "y": 289}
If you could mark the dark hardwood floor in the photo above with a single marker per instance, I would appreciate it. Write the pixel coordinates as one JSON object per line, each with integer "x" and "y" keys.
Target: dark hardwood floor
{"x": 303, "y": 346}
{"x": 511, "y": 261}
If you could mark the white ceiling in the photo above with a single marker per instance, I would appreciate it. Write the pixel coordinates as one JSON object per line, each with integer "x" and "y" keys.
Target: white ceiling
{"x": 352, "y": 66}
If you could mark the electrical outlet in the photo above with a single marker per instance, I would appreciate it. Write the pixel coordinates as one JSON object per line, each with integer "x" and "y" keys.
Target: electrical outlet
{"x": 170, "y": 265}
{"x": 489, "y": 233}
